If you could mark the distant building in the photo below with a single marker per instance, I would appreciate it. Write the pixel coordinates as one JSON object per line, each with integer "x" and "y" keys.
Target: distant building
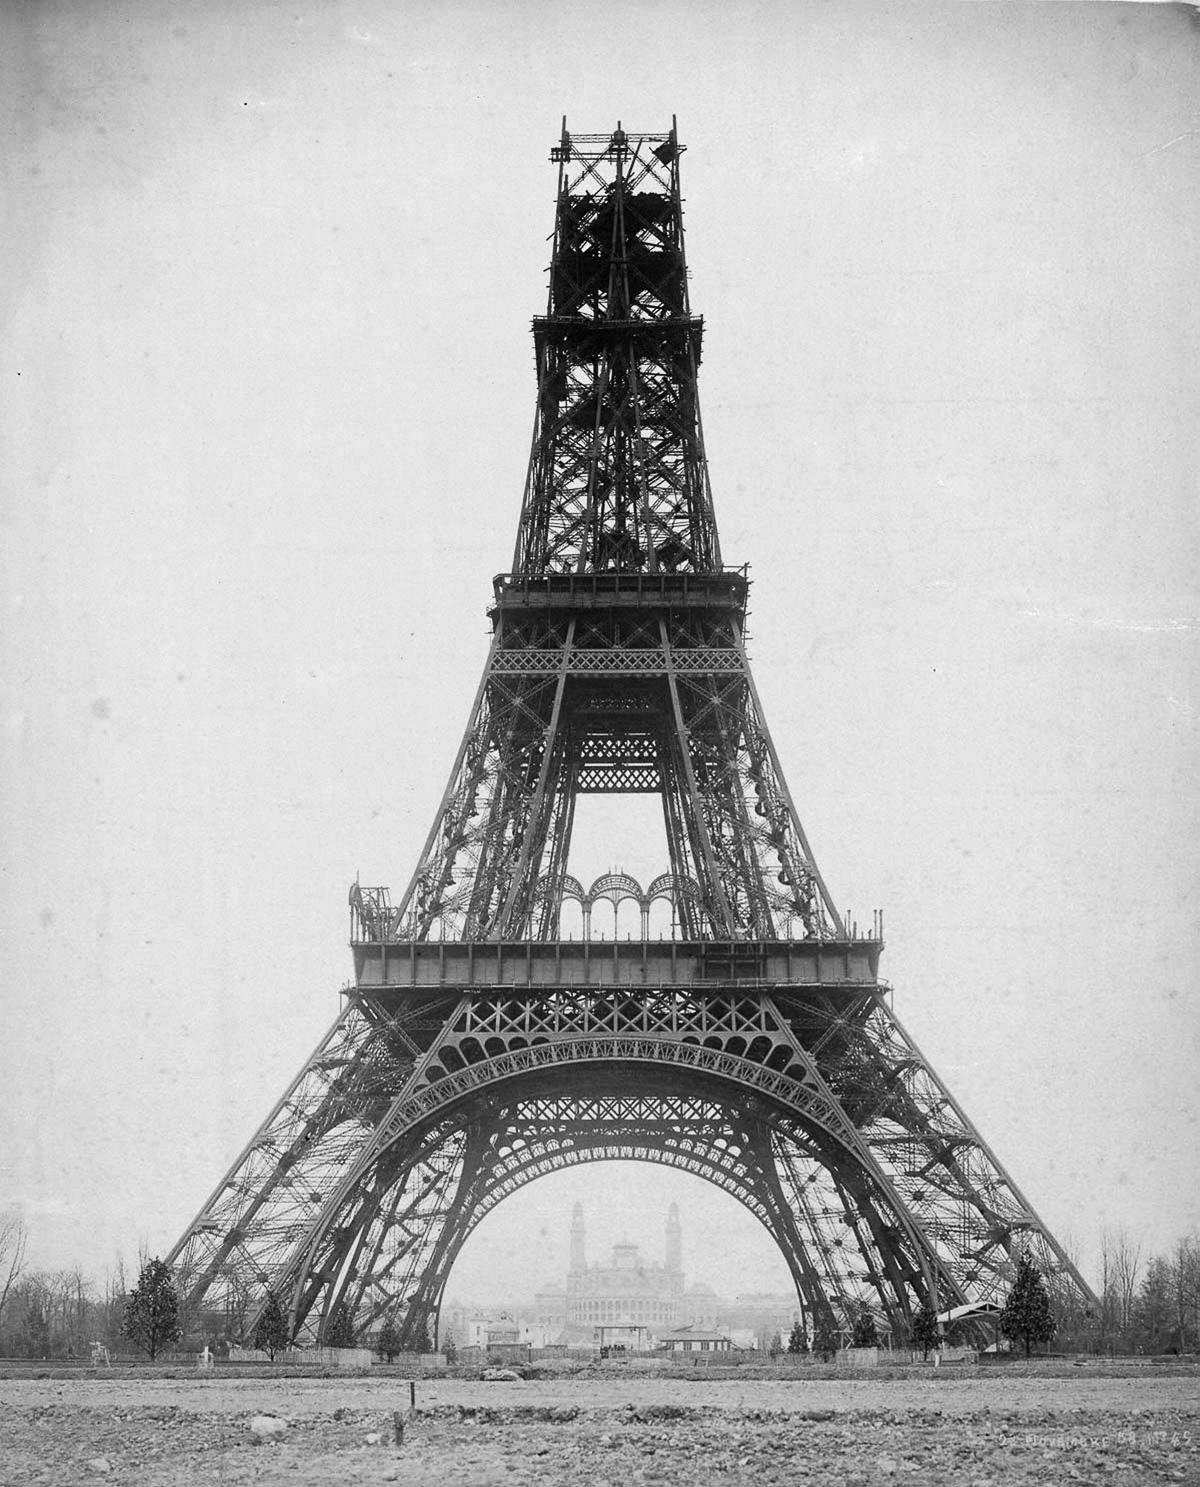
{"x": 628, "y": 1291}
{"x": 696, "y": 1340}
{"x": 702, "y": 1307}
{"x": 637, "y": 1302}
{"x": 536, "y": 1335}
{"x": 549, "y": 1311}
{"x": 452, "y": 1323}
{"x": 494, "y": 1330}
{"x": 762, "y": 1313}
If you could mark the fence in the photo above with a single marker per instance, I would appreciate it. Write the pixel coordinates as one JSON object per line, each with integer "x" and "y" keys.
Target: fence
{"x": 336, "y": 1358}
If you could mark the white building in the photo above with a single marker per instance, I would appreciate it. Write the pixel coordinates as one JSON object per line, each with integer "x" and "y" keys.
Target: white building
{"x": 490, "y": 1329}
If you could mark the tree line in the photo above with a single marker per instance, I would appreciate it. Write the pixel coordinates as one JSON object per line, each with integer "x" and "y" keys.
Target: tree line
{"x": 54, "y": 1313}
{"x": 1148, "y": 1304}
{"x": 62, "y": 1313}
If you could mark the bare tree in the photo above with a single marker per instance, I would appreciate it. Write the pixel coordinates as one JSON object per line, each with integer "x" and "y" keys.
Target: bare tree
{"x": 70, "y": 1310}
{"x": 1075, "y": 1322}
{"x": 237, "y": 1304}
{"x": 184, "y": 1276}
{"x": 1128, "y": 1255}
{"x": 1185, "y": 1288}
{"x": 13, "y": 1240}
{"x": 1120, "y": 1264}
{"x": 116, "y": 1293}
{"x": 32, "y": 1303}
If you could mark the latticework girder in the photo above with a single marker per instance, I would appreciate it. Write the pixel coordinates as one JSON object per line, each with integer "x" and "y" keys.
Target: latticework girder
{"x": 617, "y": 479}
{"x": 479, "y": 1051}
{"x": 666, "y": 707}
{"x": 812, "y": 1108}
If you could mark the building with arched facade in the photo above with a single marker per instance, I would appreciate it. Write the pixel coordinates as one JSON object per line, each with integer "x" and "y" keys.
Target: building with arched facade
{"x": 625, "y": 1289}
{"x": 628, "y": 1290}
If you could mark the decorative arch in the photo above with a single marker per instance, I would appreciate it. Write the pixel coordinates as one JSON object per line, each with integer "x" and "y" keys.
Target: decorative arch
{"x": 719, "y": 1149}
{"x": 571, "y": 888}
{"x": 798, "y": 1263}
{"x": 617, "y": 888}
{"x": 442, "y": 1142}
{"x": 673, "y": 887}
{"x": 376, "y": 1273}
{"x": 837, "y": 1146}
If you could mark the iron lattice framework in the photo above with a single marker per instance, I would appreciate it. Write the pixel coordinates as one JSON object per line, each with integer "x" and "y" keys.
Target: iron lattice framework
{"x": 478, "y": 1049}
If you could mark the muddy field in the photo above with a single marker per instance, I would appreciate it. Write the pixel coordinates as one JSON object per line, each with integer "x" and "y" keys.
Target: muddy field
{"x": 994, "y": 1428}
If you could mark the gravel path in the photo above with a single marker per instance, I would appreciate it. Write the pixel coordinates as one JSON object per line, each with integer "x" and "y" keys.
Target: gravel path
{"x": 963, "y": 1432}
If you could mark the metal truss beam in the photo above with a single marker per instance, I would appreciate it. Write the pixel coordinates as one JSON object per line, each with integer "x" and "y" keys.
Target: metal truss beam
{"x": 835, "y": 1133}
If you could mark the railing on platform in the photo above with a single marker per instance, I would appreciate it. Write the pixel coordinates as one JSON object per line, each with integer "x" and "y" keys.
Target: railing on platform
{"x": 700, "y": 964}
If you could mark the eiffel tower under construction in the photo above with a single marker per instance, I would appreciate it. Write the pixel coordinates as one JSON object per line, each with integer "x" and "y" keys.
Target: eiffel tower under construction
{"x": 479, "y": 1048}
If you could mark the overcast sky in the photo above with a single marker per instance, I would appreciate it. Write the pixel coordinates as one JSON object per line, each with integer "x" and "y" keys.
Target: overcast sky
{"x": 268, "y": 391}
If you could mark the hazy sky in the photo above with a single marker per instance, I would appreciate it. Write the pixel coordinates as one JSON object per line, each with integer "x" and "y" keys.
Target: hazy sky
{"x": 268, "y": 392}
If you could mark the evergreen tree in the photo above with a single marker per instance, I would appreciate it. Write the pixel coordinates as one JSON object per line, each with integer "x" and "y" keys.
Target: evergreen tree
{"x": 864, "y": 1334}
{"x": 825, "y": 1336}
{"x": 1027, "y": 1317}
{"x": 388, "y": 1342}
{"x": 152, "y": 1311}
{"x": 423, "y": 1342}
{"x": 776, "y": 1345}
{"x": 1153, "y": 1312}
{"x": 272, "y": 1333}
{"x": 797, "y": 1340}
{"x": 925, "y": 1330}
{"x": 450, "y": 1348}
{"x": 33, "y": 1337}
{"x": 340, "y": 1332}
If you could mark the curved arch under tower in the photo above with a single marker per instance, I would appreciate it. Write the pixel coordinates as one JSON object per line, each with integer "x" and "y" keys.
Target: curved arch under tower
{"x": 393, "y": 1243}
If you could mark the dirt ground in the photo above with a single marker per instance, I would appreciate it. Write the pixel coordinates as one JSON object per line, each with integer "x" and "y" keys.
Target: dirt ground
{"x": 994, "y": 1428}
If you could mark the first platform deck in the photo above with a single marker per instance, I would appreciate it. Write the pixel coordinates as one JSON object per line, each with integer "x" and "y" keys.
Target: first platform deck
{"x": 431, "y": 963}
